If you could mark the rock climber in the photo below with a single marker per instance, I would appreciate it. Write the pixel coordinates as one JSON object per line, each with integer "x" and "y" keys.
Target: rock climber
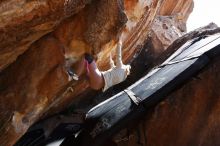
{"x": 106, "y": 79}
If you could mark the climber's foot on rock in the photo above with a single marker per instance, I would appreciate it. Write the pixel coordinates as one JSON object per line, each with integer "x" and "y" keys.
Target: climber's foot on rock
{"x": 72, "y": 74}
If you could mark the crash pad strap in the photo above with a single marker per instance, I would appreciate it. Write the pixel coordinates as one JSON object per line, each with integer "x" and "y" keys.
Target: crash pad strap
{"x": 190, "y": 56}
{"x": 178, "y": 61}
{"x": 132, "y": 96}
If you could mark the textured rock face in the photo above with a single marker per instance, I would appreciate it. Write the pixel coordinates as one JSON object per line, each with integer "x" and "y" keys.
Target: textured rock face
{"x": 21, "y": 104}
{"x": 23, "y": 22}
{"x": 181, "y": 8}
{"x": 170, "y": 23}
{"x": 164, "y": 31}
{"x": 36, "y": 83}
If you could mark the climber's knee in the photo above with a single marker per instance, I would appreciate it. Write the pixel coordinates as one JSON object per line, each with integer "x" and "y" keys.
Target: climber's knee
{"x": 97, "y": 84}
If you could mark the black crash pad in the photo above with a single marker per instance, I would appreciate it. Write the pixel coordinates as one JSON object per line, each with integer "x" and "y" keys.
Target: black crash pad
{"x": 36, "y": 135}
{"x": 115, "y": 113}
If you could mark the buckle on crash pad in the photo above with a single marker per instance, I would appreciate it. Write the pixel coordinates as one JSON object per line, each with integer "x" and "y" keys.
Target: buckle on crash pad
{"x": 133, "y": 97}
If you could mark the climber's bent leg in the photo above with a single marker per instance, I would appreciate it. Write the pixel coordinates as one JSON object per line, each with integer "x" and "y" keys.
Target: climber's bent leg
{"x": 115, "y": 75}
{"x": 96, "y": 80}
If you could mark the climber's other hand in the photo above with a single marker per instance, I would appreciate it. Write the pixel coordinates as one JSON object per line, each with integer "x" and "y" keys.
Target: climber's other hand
{"x": 128, "y": 68}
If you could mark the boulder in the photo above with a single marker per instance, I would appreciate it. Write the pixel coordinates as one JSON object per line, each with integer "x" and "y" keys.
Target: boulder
{"x": 38, "y": 39}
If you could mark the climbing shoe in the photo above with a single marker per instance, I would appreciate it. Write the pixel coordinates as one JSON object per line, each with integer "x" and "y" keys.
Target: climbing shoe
{"x": 89, "y": 58}
{"x": 72, "y": 74}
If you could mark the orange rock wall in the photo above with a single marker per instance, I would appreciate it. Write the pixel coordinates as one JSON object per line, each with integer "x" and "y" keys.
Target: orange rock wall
{"x": 36, "y": 83}
{"x": 23, "y": 22}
